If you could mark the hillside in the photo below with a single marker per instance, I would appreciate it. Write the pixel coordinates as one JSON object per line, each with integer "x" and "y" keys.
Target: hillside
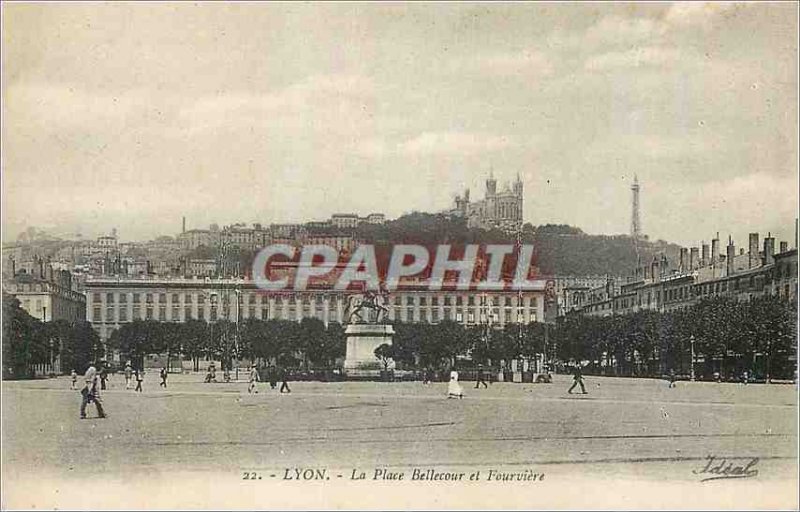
{"x": 560, "y": 249}
{"x": 569, "y": 251}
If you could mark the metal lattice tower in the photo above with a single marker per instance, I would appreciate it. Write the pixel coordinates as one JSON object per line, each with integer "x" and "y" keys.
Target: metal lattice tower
{"x": 636, "y": 222}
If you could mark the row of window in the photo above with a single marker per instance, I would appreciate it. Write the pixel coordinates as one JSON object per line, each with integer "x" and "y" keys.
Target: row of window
{"x": 200, "y": 298}
{"x": 121, "y": 314}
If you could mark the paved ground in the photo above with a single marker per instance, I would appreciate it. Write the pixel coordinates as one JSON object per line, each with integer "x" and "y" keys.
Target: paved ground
{"x": 625, "y": 430}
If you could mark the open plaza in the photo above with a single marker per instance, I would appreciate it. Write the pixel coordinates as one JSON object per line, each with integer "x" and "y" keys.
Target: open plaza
{"x": 534, "y": 439}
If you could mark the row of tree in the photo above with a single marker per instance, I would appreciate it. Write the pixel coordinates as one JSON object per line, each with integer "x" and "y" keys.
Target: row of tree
{"x": 725, "y": 336}
{"x": 27, "y": 342}
{"x": 308, "y": 343}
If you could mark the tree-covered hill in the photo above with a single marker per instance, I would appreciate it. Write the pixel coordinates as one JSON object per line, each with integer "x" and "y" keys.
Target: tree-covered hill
{"x": 560, "y": 249}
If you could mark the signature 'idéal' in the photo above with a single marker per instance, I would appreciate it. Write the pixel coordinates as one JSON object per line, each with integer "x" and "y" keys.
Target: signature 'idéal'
{"x": 717, "y": 469}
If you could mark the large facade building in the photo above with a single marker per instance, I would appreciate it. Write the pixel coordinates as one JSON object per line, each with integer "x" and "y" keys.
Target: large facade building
{"x": 497, "y": 210}
{"x": 665, "y": 286}
{"x": 47, "y": 293}
{"x": 114, "y": 302}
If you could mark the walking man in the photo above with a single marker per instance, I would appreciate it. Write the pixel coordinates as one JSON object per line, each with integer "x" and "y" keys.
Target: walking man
{"x": 253, "y": 379}
{"x": 273, "y": 377}
{"x": 284, "y": 381}
{"x": 481, "y": 378}
{"x": 672, "y": 378}
{"x": 139, "y": 379}
{"x": 577, "y": 377}
{"x": 163, "y": 375}
{"x": 128, "y": 375}
{"x": 74, "y": 376}
{"x": 91, "y": 393}
{"x": 103, "y": 377}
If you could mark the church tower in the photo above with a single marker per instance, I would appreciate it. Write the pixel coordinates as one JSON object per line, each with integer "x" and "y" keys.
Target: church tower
{"x": 518, "y": 187}
{"x": 491, "y": 185}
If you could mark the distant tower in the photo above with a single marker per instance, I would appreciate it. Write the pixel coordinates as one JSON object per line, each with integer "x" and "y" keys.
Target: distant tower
{"x": 518, "y": 208}
{"x": 183, "y": 228}
{"x": 491, "y": 185}
{"x": 636, "y": 222}
{"x": 518, "y": 186}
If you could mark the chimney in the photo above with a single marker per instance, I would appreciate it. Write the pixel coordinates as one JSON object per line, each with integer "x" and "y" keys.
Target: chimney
{"x": 684, "y": 260}
{"x": 769, "y": 249}
{"x": 715, "y": 250}
{"x": 183, "y": 229}
{"x": 754, "y": 260}
{"x": 704, "y": 262}
{"x": 694, "y": 258}
{"x": 784, "y": 246}
{"x": 654, "y": 268}
{"x": 731, "y": 255}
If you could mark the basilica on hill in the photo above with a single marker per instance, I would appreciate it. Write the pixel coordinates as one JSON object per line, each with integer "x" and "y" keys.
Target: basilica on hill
{"x": 497, "y": 210}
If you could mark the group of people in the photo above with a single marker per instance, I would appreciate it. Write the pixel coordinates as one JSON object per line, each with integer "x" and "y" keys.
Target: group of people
{"x": 254, "y": 377}
{"x": 132, "y": 374}
{"x": 273, "y": 373}
{"x": 455, "y": 390}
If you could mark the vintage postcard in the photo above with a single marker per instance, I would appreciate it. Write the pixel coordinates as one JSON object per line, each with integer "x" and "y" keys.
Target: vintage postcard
{"x": 399, "y": 255}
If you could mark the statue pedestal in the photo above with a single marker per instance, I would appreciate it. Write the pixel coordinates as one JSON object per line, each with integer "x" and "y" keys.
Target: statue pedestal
{"x": 362, "y": 340}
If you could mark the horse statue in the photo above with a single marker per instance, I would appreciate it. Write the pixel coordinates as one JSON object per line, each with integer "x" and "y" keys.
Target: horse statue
{"x": 368, "y": 301}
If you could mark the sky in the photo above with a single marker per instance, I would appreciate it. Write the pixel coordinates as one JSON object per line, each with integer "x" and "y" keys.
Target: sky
{"x": 133, "y": 115}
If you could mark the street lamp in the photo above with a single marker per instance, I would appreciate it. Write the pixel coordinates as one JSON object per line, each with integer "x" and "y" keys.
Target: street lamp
{"x": 212, "y": 302}
{"x": 691, "y": 342}
{"x": 238, "y": 294}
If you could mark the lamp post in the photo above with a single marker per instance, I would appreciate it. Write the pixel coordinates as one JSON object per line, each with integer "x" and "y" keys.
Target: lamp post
{"x": 212, "y": 302}
{"x": 237, "y": 294}
{"x": 691, "y": 342}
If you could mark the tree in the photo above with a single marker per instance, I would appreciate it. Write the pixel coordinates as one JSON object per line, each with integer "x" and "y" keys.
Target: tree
{"x": 137, "y": 339}
{"x": 772, "y": 331}
{"x": 312, "y": 341}
{"x": 334, "y": 343}
{"x": 194, "y": 334}
{"x": 406, "y": 342}
{"x": 385, "y": 353}
{"x": 59, "y": 335}
{"x": 168, "y": 340}
{"x": 85, "y": 347}
{"x": 24, "y": 343}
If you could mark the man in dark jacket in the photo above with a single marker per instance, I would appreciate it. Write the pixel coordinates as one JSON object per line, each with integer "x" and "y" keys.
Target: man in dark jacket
{"x": 481, "y": 379}
{"x": 577, "y": 378}
{"x": 273, "y": 377}
{"x": 103, "y": 376}
{"x": 91, "y": 393}
{"x": 284, "y": 379}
